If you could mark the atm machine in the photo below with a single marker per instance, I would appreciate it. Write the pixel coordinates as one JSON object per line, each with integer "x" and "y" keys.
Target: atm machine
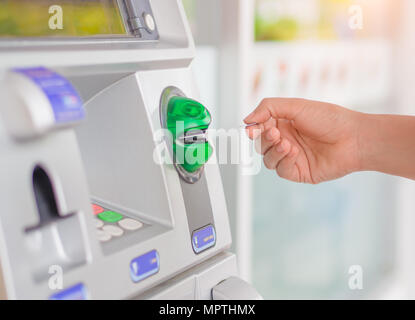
{"x": 108, "y": 183}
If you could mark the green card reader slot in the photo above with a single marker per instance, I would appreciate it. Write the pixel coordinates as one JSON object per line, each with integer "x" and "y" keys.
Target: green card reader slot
{"x": 187, "y": 121}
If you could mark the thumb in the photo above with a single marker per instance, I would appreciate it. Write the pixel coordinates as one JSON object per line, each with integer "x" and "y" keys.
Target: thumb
{"x": 277, "y": 108}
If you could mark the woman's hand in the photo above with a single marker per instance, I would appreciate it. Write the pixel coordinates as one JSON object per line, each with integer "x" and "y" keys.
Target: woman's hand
{"x": 306, "y": 141}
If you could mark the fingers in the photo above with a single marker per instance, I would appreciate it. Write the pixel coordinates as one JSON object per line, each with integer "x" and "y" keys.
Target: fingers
{"x": 285, "y": 108}
{"x": 255, "y": 131}
{"x": 276, "y": 153}
{"x": 286, "y": 168}
{"x": 268, "y": 139}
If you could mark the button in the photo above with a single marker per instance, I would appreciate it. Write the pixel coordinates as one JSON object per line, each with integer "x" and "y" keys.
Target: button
{"x": 149, "y": 21}
{"x": 144, "y": 265}
{"x": 203, "y": 238}
{"x": 110, "y": 216}
{"x": 97, "y": 209}
{"x": 103, "y": 236}
{"x": 113, "y": 230}
{"x": 130, "y": 224}
{"x": 98, "y": 223}
{"x": 76, "y": 292}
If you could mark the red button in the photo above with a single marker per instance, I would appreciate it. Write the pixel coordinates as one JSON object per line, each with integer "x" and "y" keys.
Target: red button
{"x": 97, "y": 209}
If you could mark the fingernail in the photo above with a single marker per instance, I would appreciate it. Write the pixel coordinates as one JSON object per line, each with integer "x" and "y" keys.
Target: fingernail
{"x": 248, "y": 125}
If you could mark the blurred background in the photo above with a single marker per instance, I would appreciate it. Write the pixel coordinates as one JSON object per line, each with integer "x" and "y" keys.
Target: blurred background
{"x": 300, "y": 241}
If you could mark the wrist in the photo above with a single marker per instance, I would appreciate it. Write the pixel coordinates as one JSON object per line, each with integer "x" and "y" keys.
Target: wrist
{"x": 366, "y": 146}
{"x": 386, "y": 144}
{"x": 370, "y": 141}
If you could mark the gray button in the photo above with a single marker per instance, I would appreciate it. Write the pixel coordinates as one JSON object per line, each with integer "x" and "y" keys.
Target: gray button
{"x": 130, "y": 224}
{"x": 149, "y": 21}
{"x": 98, "y": 223}
{"x": 103, "y": 236}
{"x": 113, "y": 230}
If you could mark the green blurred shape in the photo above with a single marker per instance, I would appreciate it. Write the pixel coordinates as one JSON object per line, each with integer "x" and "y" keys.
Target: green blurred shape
{"x": 185, "y": 116}
{"x": 283, "y": 29}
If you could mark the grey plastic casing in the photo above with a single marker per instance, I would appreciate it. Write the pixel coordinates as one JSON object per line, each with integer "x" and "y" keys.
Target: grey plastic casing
{"x": 112, "y": 158}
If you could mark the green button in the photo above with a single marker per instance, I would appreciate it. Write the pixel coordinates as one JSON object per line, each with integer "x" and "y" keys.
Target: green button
{"x": 110, "y": 216}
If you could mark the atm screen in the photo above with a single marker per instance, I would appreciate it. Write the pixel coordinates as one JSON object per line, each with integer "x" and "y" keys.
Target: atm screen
{"x": 60, "y": 18}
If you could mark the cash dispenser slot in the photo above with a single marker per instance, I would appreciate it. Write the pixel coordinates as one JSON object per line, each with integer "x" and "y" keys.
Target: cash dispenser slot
{"x": 45, "y": 199}
{"x": 57, "y": 239}
{"x": 40, "y": 103}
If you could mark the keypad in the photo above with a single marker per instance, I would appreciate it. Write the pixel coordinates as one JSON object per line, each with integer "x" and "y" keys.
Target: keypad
{"x": 111, "y": 224}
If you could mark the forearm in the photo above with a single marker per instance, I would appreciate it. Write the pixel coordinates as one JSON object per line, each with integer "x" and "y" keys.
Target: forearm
{"x": 387, "y": 144}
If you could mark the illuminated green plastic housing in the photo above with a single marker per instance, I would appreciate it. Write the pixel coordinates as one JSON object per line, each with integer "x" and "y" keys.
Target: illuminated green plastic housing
{"x": 185, "y": 116}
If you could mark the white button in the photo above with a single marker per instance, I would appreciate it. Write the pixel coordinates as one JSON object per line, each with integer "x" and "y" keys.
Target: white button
{"x": 103, "y": 235}
{"x": 99, "y": 223}
{"x": 113, "y": 230}
{"x": 130, "y": 224}
{"x": 149, "y": 20}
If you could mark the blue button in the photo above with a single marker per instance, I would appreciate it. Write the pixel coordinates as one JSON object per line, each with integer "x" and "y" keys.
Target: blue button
{"x": 203, "y": 238}
{"x": 144, "y": 266}
{"x": 76, "y": 292}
